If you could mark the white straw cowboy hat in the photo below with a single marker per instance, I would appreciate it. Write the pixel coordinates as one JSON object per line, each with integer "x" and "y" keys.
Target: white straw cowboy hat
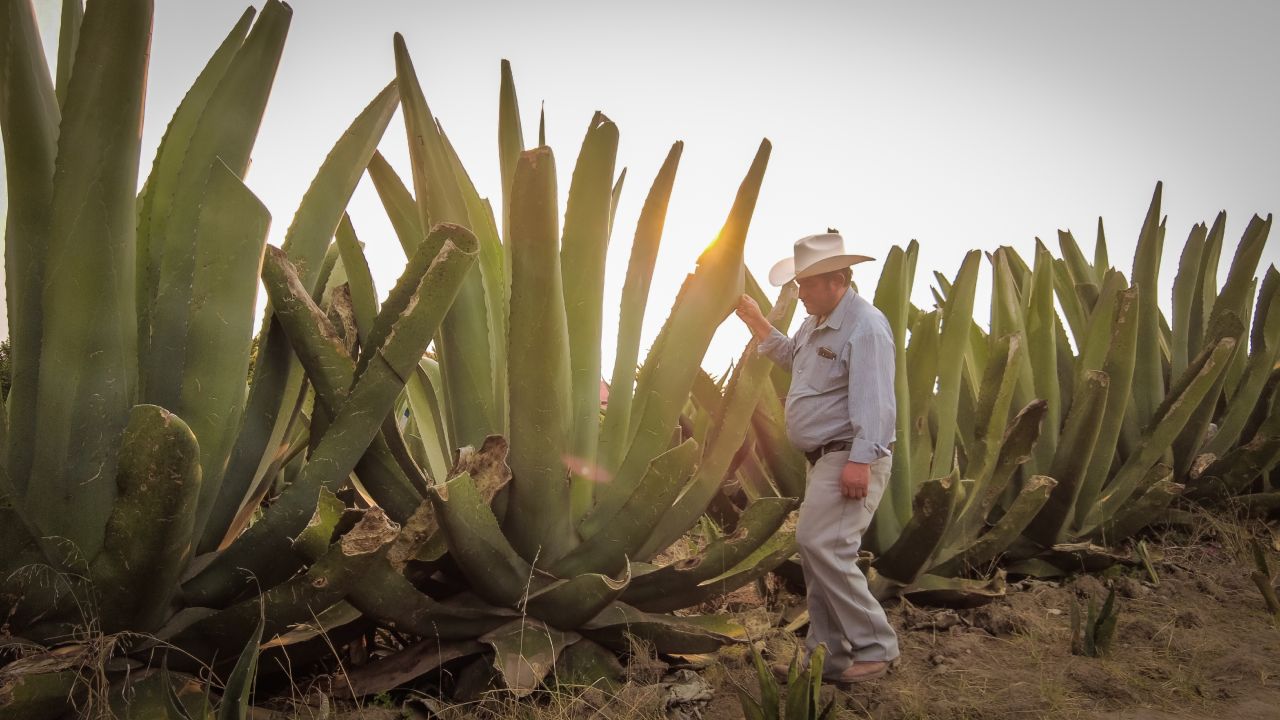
{"x": 814, "y": 255}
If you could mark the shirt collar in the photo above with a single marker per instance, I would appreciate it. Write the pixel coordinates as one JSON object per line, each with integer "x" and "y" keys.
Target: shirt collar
{"x": 837, "y": 316}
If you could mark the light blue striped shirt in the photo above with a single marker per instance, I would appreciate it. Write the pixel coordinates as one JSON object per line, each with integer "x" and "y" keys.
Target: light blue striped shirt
{"x": 842, "y": 379}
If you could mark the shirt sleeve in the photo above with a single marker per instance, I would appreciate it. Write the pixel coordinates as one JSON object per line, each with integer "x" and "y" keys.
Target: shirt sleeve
{"x": 778, "y": 348}
{"x": 873, "y": 409}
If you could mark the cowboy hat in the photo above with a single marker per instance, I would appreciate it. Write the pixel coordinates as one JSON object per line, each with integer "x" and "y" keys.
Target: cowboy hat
{"x": 814, "y": 255}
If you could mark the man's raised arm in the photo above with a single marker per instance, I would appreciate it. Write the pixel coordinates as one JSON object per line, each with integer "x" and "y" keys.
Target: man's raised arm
{"x": 773, "y": 344}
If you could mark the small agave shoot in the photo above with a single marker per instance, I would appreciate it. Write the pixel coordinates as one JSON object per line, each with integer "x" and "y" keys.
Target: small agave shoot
{"x": 1093, "y": 630}
{"x": 804, "y": 685}
{"x": 157, "y": 506}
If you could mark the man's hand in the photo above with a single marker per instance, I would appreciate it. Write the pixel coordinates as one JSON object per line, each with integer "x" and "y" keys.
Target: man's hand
{"x": 749, "y": 312}
{"x": 855, "y": 479}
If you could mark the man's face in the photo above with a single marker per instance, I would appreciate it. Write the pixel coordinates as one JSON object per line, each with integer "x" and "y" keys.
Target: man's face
{"x": 821, "y": 293}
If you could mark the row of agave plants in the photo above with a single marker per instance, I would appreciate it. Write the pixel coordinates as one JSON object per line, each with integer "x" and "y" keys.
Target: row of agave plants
{"x": 473, "y": 499}
{"x": 1081, "y": 416}
{"x": 158, "y": 509}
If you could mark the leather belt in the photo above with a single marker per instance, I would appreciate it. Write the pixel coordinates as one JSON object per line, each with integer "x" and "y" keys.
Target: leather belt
{"x": 813, "y": 456}
{"x": 816, "y": 454}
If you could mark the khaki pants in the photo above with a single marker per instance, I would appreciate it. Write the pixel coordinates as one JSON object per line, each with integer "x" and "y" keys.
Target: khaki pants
{"x": 842, "y": 612}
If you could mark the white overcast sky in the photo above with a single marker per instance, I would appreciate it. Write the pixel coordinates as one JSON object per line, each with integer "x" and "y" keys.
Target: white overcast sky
{"x": 962, "y": 125}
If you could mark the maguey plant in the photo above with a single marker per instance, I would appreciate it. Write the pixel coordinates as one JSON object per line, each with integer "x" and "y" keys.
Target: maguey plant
{"x": 160, "y": 509}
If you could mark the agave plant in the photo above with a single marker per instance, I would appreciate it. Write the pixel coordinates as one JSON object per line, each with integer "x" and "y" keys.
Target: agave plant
{"x": 156, "y": 493}
{"x": 132, "y": 445}
{"x": 1044, "y": 452}
{"x": 532, "y": 551}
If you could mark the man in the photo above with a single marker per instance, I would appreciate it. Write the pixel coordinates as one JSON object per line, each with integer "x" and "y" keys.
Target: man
{"x": 841, "y": 412}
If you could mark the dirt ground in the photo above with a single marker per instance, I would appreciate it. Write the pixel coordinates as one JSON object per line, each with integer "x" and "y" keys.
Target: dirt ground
{"x": 1196, "y": 644}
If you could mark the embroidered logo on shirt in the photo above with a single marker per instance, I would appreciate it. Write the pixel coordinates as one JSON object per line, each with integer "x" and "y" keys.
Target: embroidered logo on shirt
{"x": 826, "y": 353}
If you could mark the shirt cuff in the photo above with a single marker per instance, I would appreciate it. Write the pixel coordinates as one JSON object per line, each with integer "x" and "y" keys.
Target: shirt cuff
{"x": 866, "y": 452}
{"x": 775, "y": 341}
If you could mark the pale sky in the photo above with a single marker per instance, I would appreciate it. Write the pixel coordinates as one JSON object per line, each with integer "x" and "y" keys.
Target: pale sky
{"x": 962, "y": 125}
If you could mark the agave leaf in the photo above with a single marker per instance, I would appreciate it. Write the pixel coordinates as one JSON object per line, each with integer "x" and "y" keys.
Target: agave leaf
{"x": 1233, "y": 473}
{"x": 427, "y": 415}
{"x": 1079, "y": 269}
{"x": 1185, "y": 290}
{"x": 229, "y": 245}
{"x": 1079, "y": 437}
{"x": 776, "y": 549}
{"x": 277, "y": 377}
{"x": 1235, "y": 293}
{"x": 1101, "y": 263}
{"x": 525, "y": 651}
{"x": 619, "y": 539}
{"x": 312, "y": 543}
{"x": 956, "y": 592}
{"x": 690, "y": 634}
{"x": 1148, "y": 377}
{"x": 1041, "y": 320}
{"x": 1264, "y": 353}
{"x": 1201, "y": 375}
{"x": 364, "y": 298}
{"x": 464, "y": 348}
{"x": 331, "y": 371}
{"x": 922, "y": 368}
{"x": 567, "y": 604}
{"x": 148, "y": 534}
{"x": 152, "y": 694}
{"x": 510, "y": 146}
{"x": 495, "y": 278}
{"x": 156, "y": 202}
{"x": 1096, "y": 342}
{"x": 1015, "y": 450}
{"x": 402, "y": 667}
{"x": 758, "y": 524}
{"x": 1007, "y": 317}
{"x": 538, "y": 518}
{"x": 957, "y": 316}
{"x": 994, "y": 401}
{"x": 89, "y": 305}
{"x": 409, "y": 318}
{"x": 68, "y": 39}
{"x": 635, "y": 294}
{"x": 1206, "y": 286}
{"x": 583, "y": 248}
{"x": 784, "y": 462}
{"x": 892, "y": 297}
{"x": 1141, "y": 511}
{"x": 729, "y": 425}
{"x": 706, "y": 298}
{"x": 493, "y": 568}
{"x": 29, "y": 117}
{"x": 401, "y": 208}
{"x": 1118, "y": 366}
{"x": 225, "y": 131}
{"x": 1072, "y": 298}
{"x": 1187, "y": 444}
{"x": 239, "y": 687}
{"x": 1022, "y": 512}
{"x": 384, "y": 595}
{"x": 797, "y": 702}
{"x": 329, "y": 579}
{"x": 932, "y": 512}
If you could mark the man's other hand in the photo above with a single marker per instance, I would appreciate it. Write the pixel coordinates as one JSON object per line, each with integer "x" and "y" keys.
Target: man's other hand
{"x": 749, "y": 312}
{"x": 855, "y": 479}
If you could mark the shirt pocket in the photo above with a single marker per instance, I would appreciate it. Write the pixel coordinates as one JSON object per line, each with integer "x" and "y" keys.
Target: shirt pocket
{"x": 830, "y": 374}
